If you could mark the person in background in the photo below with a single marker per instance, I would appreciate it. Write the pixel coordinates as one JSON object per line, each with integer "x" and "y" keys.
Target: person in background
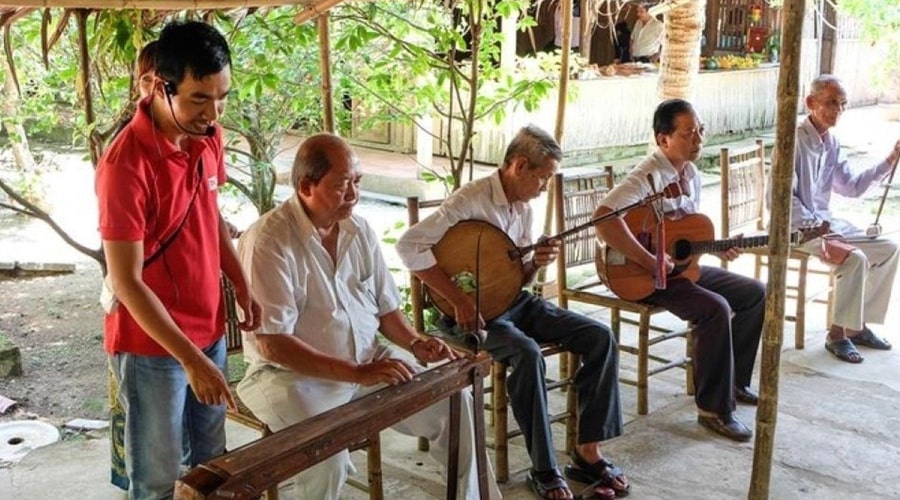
{"x": 646, "y": 35}
{"x": 166, "y": 248}
{"x": 864, "y": 280}
{"x": 623, "y": 42}
{"x": 725, "y": 308}
{"x": 575, "y": 34}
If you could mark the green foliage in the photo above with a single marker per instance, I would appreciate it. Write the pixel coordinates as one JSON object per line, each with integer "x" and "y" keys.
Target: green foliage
{"x": 418, "y": 63}
{"x": 275, "y": 89}
{"x": 880, "y": 23}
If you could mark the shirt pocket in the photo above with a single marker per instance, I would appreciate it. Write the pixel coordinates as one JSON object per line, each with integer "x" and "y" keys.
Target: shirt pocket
{"x": 363, "y": 291}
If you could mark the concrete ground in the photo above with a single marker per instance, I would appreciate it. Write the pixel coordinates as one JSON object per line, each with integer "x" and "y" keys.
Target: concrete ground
{"x": 837, "y": 437}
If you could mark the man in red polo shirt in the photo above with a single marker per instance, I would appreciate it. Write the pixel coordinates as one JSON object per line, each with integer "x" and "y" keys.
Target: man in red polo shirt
{"x": 166, "y": 247}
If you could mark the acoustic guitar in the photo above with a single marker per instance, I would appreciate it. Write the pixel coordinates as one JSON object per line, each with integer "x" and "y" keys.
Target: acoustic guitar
{"x": 687, "y": 237}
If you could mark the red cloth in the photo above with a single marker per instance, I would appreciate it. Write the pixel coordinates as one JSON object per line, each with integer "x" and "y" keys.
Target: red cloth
{"x": 144, "y": 186}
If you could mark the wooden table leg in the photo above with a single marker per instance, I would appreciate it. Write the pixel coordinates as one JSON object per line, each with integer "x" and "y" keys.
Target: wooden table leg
{"x": 453, "y": 459}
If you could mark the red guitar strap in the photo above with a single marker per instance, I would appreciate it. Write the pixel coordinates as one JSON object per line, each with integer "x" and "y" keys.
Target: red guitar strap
{"x": 659, "y": 280}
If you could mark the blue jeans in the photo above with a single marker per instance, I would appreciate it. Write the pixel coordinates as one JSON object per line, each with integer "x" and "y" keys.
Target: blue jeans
{"x": 165, "y": 426}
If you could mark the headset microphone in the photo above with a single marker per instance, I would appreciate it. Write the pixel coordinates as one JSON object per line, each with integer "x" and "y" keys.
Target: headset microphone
{"x": 169, "y": 89}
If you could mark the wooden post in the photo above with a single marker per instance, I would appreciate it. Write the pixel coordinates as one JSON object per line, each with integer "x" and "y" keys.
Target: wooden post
{"x": 779, "y": 233}
{"x": 84, "y": 78}
{"x": 325, "y": 68}
{"x": 566, "y": 15}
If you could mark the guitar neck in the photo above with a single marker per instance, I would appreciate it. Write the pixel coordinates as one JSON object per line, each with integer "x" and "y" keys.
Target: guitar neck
{"x": 713, "y": 246}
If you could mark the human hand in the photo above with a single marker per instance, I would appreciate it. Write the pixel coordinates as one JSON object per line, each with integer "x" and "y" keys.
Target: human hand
{"x": 387, "y": 371}
{"x": 432, "y": 350}
{"x": 465, "y": 314}
{"x": 208, "y": 382}
{"x": 894, "y": 154}
{"x": 252, "y": 314}
{"x": 730, "y": 254}
{"x": 546, "y": 251}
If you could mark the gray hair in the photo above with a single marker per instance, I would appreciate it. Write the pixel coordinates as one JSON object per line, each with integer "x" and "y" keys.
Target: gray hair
{"x": 822, "y": 82}
{"x": 534, "y": 144}
{"x": 314, "y": 157}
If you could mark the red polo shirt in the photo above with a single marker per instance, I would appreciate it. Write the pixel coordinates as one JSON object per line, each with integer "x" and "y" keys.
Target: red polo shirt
{"x": 144, "y": 188}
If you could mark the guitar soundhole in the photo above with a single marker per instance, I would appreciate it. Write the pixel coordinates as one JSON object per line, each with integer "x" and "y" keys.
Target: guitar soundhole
{"x": 682, "y": 250}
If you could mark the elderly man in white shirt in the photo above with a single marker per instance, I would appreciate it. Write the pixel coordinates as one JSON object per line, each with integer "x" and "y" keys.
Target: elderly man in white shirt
{"x": 514, "y": 337}
{"x": 646, "y": 36}
{"x": 325, "y": 292}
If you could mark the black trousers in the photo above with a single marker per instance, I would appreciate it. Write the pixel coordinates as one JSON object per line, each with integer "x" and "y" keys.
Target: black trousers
{"x": 725, "y": 345}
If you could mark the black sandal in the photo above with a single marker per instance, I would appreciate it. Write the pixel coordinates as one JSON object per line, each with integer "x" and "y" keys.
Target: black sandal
{"x": 600, "y": 473}
{"x": 844, "y": 350}
{"x": 867, "y": 338}
{"x": 543, "y": 482}
{"x": 596, "y": 491}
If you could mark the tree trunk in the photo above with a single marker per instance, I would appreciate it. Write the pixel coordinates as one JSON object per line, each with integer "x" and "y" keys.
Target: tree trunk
{"x": 12, "y": 121}
{"x": 779, "y": 227}
{"x": 680, "y": 57}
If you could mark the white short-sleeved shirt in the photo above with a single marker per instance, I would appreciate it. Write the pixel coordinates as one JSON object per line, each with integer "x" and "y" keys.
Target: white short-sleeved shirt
{"x": 646, "y": 38}
{"x": 482, "y": 199}
{"x": 332, "y": 306}
{"x": 636, "y": 187}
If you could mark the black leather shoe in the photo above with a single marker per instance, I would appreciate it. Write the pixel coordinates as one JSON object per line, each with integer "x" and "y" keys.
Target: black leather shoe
{"x": 727, "y": 426}
{"x": 745, "y": 395}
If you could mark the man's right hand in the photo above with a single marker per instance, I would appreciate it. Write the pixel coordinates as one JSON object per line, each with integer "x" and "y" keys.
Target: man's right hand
{"x": 388, "y": 371}
{"x": 208, "y": 382}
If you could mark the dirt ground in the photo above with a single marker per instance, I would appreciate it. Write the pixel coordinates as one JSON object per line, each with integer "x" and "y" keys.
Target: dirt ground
{"x": 56, "y": 323}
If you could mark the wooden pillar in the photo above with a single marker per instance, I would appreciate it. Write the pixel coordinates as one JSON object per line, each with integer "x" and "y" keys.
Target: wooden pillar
{"x": 325, "y": 69}
{"x": 711, "y": 31}
{"x": 84, "y": 79}
{"x": 779, "y": 224}
{"x": 563, "y": 70}
{"x": 828, "y": 49}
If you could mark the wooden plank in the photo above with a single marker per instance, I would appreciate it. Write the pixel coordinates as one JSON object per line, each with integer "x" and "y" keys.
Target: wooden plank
{"x": 247, "y": 471}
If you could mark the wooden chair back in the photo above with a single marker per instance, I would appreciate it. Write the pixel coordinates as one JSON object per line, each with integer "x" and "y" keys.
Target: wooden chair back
{"x": 573, "y": 208}
{"x": 743, "y": 173}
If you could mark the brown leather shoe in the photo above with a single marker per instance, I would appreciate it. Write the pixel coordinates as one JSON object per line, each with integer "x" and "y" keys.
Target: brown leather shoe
{"x": 745, "y": 395}
{"x": 726, "y": 425}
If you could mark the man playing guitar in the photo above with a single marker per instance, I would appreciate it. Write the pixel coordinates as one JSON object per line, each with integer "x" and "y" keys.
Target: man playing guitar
{"x": 726, "y": 309}
{"x": 514, "y": 337}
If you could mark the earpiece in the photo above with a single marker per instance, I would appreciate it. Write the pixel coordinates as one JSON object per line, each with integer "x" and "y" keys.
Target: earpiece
{"x": 170, "y": 88}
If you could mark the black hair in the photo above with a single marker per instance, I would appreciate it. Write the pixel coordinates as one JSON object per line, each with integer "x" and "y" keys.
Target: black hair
{"x": 665, "y": 114}
{"x": 190, "y": 48}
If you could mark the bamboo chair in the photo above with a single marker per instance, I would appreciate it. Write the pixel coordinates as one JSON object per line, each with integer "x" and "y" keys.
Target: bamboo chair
{"x": 243, "y": 415}
{"x": 499, "y": 402}
{"x": 577, "y": 207}
{"x": 743, "y": 209}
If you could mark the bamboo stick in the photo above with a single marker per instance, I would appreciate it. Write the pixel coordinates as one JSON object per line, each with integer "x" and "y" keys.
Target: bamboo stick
{"x": 779, "y": 229}
{"x": 325, "y": 70}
